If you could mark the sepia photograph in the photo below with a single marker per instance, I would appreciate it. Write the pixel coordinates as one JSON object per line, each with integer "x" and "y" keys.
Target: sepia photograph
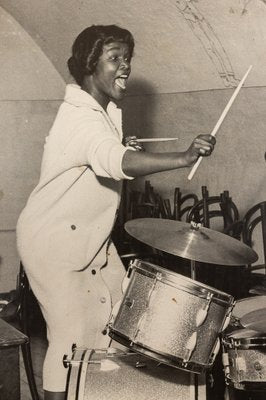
{"x": 133, "y": 200}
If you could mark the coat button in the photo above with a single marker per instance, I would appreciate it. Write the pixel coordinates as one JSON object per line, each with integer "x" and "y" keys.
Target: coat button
{"x": 103, "y": 299}
{"x": 93, "y": 271}
{"x": 73, "y": 227}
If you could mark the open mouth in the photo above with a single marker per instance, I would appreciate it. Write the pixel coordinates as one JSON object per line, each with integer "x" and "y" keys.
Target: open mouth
{"x": 121, "y": 81}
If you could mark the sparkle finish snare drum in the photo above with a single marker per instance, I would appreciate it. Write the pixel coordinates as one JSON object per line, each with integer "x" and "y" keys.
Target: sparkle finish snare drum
{"x": 244, "y": 359}
{"x": 171, "y": 318}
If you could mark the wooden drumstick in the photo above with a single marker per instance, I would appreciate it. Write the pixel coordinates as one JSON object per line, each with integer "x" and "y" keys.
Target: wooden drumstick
{"x": 155, "y": 140}
{"x": 220, "y": 120}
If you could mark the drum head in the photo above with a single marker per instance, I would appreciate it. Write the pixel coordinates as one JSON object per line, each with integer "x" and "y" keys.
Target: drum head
{"x": 248, "y": 304}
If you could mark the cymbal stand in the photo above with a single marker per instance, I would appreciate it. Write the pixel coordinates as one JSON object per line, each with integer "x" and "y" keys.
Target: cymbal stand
{"x": 193, "y": 269}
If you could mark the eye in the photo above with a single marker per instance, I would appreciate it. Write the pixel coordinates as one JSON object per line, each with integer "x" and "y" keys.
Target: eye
{"x": 114, "y": 58}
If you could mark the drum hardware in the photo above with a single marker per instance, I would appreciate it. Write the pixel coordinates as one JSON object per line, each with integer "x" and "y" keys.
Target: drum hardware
{"x": 215, "y": 351}
{"x": 202, "y": 314}
{"x": 140, "y": 364}
{"x": 189, "y": 348}
{"x": 193, "y": 273}
{"x": 128, "y": 302}
{"x": 246, "y": 343}
{"x": 158, "y": 277}
{"x": 226, "y": 365}
{"x": 228, "y": 317}
{"x": 67, "y": 361}
{"x": 109, "y": 352}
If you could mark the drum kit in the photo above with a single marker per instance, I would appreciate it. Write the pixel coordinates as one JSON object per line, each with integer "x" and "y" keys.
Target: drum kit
{"x": 181, "y": 322}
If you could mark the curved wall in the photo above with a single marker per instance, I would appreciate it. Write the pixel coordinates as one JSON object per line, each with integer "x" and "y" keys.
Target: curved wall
{"x": 30, "y": 92}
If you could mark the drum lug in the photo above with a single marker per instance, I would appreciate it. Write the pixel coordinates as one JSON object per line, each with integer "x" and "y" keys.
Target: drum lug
{"x": 129, "y": 303}
{"x": 202, "y": 314}
{"x": 226, "y": 365}
{"x": 240, "y": 364}
{"x": 66, "y": 361}
{"x": 215, "y": 351}
{"x": 190, "y": 346}
{"x": 140, "y": 364}
{"x": 74, "y": 346}
{"x": 228, "y": 317}
{"x": 159, "y": 276}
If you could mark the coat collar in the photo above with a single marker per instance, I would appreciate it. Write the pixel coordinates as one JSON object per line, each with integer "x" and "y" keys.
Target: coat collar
{"x": 76, "y": 96}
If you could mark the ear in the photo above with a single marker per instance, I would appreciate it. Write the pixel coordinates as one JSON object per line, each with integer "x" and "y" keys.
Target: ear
{"x": 90, "y": 67}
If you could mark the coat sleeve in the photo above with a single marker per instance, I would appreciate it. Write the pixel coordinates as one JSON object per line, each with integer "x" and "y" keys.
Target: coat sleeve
{"x": 92, "y": 144}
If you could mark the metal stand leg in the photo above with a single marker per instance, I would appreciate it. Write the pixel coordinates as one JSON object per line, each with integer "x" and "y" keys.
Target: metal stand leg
{"x": 193, "y": 269}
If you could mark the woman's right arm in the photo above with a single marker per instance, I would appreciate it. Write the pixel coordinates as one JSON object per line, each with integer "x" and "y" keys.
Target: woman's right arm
{"x": 137, "y": 163}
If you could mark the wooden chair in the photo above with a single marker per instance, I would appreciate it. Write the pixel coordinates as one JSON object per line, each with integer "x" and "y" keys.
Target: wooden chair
{"x": 256, "y": 218}
{"x": 203, "y": 211}
{"x": 15, "y": 312}
{"x": 219, "y": 213}
{"x": 181, "y": 203}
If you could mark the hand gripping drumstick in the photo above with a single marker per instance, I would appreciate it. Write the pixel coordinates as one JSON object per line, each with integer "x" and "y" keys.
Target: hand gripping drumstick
{"x": 220, "y": 120}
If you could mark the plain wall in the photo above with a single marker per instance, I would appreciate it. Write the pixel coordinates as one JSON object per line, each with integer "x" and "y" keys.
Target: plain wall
{"x": 237, "y": 164}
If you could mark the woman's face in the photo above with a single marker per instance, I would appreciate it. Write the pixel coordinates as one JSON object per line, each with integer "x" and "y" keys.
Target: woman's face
{"x": 109, "y": 79}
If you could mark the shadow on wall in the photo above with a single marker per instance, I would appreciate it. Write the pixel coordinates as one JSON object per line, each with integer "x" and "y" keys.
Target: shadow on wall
{"x": 139, "y": 109}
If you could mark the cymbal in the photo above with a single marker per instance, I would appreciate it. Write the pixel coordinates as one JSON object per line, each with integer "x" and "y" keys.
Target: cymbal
{"x": 255, "y": 320}
{"x": 191, "y": 242}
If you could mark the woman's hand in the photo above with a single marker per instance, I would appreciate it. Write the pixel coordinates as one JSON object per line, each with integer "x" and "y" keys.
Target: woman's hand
{"x": 133, "y": 142}
{"x": 202, "y": 145}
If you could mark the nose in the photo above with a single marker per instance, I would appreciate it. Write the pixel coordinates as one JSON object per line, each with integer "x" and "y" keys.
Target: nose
{"x": 125, "y": 64}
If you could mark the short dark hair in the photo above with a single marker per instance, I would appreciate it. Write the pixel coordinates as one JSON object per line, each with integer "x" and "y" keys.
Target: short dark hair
{"x": 88, "y": 47}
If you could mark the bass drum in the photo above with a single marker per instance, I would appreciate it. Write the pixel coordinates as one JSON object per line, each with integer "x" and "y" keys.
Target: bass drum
{"x": 244, "y": 359}
{"x": 171, "y": 318}
{"x": 113, "y": 374}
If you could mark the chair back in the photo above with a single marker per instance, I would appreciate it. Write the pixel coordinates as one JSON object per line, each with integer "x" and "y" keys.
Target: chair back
{"x": 210, "y": 207}
{"x": 183, "y": 204}
{"x": 255, "y": 217}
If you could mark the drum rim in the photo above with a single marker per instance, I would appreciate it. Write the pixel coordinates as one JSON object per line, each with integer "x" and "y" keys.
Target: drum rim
{"x": 256, "y": 386}
{"x": 196, "y": 285}
{"x": 167, "y": 359}
{"x": 244, "y": 343}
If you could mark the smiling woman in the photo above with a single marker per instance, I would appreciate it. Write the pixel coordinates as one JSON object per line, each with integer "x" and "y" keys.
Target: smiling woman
{"x": 111, "y": 73}
{"x": 100, "y": 61}
{"x": 64, "y": 231}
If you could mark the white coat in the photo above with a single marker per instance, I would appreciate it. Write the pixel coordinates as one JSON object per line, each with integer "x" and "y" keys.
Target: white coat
{"x": 64, "y": 230}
